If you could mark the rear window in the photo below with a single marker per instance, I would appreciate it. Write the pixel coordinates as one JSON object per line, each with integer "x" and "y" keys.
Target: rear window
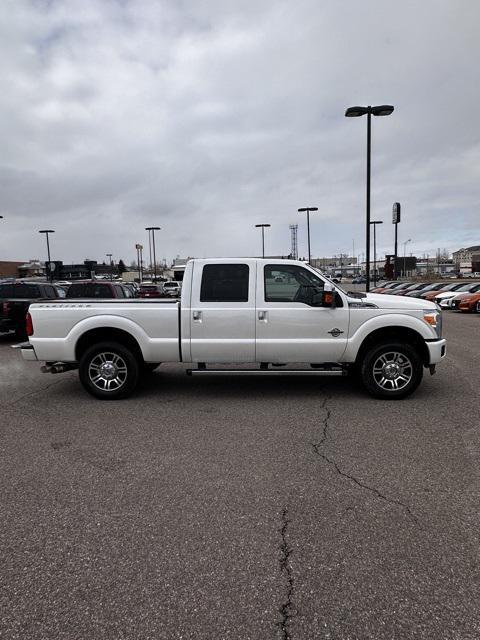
{"x": 89, "y": 290}
{"x": 224, "y": 283}
{"x": 19, "y": 291}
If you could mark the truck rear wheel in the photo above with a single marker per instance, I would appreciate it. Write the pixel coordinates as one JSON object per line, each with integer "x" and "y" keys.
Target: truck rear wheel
{"x": 109, "y": 371}
{"x": 391, "y": 371}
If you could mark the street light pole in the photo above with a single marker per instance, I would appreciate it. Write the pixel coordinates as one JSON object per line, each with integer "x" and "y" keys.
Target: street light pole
{"x": 46, "y": 232}
{"x": 355, "y": 112}
{"x": 109, "y": 255}
{"x": 263, "y": 236}
{"x": 308, "y": 209}
{"x": 404, "y": 248}
{"x": 374, "y": 223}
{"x": 153, "y": 229}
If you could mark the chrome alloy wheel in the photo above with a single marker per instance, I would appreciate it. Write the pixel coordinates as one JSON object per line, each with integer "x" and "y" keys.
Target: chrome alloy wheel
{"x": 107, "y": 371}
{"x": 392, "y": 371}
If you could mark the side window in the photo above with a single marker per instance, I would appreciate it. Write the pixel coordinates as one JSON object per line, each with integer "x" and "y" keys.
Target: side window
{"x": 50, "y": 292}
{"x": 284, "y": 283}
{"x": 224, "y": 283}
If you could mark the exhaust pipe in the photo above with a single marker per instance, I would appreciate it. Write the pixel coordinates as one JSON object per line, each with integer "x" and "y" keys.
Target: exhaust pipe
{"x": 58, "y": 367}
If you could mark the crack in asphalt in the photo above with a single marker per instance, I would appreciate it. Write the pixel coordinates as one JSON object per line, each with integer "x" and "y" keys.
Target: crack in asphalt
{"x": 286, "y": 609}
{"x": 317, "y": 448}
{"x": 30, "y": 393}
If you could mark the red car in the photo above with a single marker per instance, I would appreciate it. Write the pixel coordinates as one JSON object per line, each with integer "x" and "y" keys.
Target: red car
{"x": 150, "y": 291}
{"x": 470, "y": 303}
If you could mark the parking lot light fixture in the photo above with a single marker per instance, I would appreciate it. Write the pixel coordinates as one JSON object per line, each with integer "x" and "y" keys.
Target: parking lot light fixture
{"x": 308, "y": 209}
{"x": 263, "y": 236}
{"x": 47, "y": 232}
{"x": 356, "y": 112}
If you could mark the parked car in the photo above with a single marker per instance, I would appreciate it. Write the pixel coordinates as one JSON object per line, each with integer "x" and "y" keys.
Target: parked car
{"x": 150, "y": 291}
{"x": 469, "y": 303}
{"x": 454, "y": 302}
{"x": 435, "y": 286}
{"x": 95, "y": 289}
{"x": 444, "y": 298}
{"x": 359, "y": 280}
{"x": 233, "y": 312}
{"x": 15, "y": 300}
{"x": 390, "y": 286}
{"x": 401, "y": 291}
{"x": 447, "y": 288}
{"x": 172, "y": 289}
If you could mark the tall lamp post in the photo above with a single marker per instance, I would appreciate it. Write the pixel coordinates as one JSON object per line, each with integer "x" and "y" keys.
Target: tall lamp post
{"x": 404, "y": 249}
{"x": 395, "y": 219}
{"x": 355, "y": 112}
{"x": 152, "y": 230}
{"x": 263, "y": 236}
{"x": 308, "y": 209}
{"x": 139, "y": 248}
{"x": 374, "y": 224}
{"x": 47, "y": 232}
{"x": 109, "y": 255}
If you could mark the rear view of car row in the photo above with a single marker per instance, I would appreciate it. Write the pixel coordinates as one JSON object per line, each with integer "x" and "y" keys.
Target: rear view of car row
{"x": 459, "y": 296}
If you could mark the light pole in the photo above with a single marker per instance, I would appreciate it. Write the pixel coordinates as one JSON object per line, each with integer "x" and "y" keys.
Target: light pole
{"x": 139, "y": 248}
{"x": 263, "y": 236}
{"x": 404, "y": 248}
{"x": 153, "y": 229}
{"x": 109, "y": 255}
{"x": 355, "y": 112}
{"x": 308, "y": 209}
{"x": 374, "y": 223}
{"x": 46, "y": 232}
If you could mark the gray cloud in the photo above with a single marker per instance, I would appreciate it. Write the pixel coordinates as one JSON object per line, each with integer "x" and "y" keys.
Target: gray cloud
{"x": 208, "y": 117}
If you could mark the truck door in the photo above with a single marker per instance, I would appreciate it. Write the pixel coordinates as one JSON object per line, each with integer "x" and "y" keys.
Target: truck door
{"x": 222, "y": 311}
{"x": 289, "y": 327}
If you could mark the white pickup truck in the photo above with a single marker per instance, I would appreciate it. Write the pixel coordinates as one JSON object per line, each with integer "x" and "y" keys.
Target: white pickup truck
{"x": 268, "y": 316}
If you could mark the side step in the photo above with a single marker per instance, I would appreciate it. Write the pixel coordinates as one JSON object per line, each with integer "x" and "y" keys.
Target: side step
{"x": 266, "y": 372}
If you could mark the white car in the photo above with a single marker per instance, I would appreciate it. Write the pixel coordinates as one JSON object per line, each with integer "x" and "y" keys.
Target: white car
{"x": 445, "y": 299}
{"x": 172, "y": 289}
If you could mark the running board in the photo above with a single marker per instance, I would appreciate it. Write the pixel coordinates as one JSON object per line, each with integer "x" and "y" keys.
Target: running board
{"x": 266, "y": 372}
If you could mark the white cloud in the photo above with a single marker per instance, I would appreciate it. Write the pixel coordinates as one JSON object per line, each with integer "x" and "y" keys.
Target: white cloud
{"x": 208, "y": 117}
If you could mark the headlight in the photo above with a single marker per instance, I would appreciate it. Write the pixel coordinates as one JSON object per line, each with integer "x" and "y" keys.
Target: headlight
{"x": 434, "y": 319}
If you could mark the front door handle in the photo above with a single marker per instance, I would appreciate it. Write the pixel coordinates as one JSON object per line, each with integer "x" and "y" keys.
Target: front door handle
{"x": 197, "y": 315}
{"x": 262, "y": 315}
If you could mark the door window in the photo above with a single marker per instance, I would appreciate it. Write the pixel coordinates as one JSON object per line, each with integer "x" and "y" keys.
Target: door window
{"x": 284, "y": 283}
{"x": 224, "y": 283}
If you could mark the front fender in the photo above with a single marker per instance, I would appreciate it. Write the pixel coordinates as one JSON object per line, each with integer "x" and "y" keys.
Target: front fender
{"x": 385, "y": 321}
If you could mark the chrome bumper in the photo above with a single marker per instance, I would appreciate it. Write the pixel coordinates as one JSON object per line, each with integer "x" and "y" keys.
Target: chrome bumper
{"x": 27, "y": 350}
{"x": 437, "y": 350}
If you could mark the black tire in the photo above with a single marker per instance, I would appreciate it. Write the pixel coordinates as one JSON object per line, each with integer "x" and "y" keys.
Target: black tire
{"x": 121, "y": 371}
{"x": 477, "y": 307}
{"x": 149, "y": 367}
{"x": 391, "y": 371}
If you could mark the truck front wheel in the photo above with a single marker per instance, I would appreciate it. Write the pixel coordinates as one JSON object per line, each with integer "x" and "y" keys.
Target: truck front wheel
{"x": 391, "y": 371}
{"x": 109, "y": 371}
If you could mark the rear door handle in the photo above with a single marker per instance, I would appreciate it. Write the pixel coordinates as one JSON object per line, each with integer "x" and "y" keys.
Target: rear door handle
{"x": 262, "y": 315}
{"x": 197, "y": 315}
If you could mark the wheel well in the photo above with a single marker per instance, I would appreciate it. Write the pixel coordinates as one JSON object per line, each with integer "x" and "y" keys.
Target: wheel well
{"x": 107, "y": 334}
{"x": 394, "y": 334}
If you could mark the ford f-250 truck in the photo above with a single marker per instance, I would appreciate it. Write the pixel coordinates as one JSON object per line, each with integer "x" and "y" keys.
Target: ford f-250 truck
{"x": 273, "y": 314}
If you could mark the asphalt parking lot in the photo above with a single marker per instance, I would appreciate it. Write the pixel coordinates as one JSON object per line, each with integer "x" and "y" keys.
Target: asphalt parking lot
{"x": 236, "y": 508}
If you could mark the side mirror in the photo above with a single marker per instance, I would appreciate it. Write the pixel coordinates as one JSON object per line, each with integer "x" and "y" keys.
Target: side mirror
{"x": 323, "y": 299}
{"x": 328, "y": 298}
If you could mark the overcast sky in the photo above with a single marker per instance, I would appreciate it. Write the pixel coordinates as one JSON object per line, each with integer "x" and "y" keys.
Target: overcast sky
{"x": 205, "y": 117}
